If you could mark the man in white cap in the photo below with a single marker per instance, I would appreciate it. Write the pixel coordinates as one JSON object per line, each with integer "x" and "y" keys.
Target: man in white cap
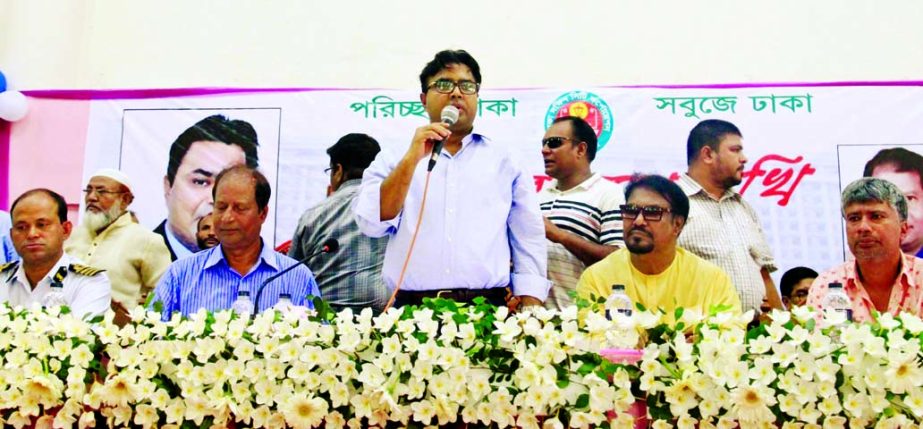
{"x": 134, "y": 258}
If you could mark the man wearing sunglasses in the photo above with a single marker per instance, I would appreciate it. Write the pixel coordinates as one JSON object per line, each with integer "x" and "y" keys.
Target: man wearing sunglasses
{"x": 481, "y": 210}
{"x": 583, "y": 223}
{"x": 655, "y": 271}
{"x": 722, "y": 227}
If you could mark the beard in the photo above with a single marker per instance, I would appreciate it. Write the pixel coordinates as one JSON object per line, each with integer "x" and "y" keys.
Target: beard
{"x": 637, "y": 246}
{"x": 731, "y": 181}
{"x": 96, "y": 221}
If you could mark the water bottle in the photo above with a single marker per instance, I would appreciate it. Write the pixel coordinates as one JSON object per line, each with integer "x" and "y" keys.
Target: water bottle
{"x": 837, "y": 300}
{"x": 618, "y": 302}
{"x": 242, "y": 305}
{"x": 55, "y": 296}
{"x": 284, "y": 305}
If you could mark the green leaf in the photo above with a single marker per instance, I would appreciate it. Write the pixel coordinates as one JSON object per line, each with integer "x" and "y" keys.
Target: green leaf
{"x": 810, "y": 324}
{"x": 586, "y": 368}
{"x": 582, "y": 401}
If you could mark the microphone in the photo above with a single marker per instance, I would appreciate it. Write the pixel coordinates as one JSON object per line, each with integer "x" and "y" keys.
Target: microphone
{"x": 449, "y": 117}
{"x": 328, "y": 246}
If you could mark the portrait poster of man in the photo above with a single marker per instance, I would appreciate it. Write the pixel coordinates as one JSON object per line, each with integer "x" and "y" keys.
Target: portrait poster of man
{"x": 174, "y": 155}
{"x": 898, "y": 164}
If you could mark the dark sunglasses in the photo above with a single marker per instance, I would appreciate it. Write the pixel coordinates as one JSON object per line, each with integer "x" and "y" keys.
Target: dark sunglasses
{"x": 650, "y": 213}
{"x": 555, "y": 142}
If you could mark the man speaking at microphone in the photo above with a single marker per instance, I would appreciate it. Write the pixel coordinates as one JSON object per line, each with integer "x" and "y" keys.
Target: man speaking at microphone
{"x": 211, "y": 279}
{"x": 481, "y": 229}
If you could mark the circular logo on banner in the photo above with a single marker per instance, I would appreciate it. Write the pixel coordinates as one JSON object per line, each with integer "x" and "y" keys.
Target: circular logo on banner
{"x": 587, "y": 106}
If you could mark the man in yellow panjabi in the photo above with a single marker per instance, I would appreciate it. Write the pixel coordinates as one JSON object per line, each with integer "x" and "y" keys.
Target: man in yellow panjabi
{"x": 656, "y": 272}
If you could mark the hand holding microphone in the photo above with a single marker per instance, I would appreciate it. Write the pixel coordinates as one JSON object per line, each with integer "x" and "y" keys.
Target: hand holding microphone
{"x": 449, "y": 116}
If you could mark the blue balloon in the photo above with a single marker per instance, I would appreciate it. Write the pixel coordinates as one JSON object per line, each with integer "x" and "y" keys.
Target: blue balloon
{"x": 2, "y": 82}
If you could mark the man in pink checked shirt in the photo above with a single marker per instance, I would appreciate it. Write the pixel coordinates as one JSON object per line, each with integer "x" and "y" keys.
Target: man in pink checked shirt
{"x": 881, "y": 278}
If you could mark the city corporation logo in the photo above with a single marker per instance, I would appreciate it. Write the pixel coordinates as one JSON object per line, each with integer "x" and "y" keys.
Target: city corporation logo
{"x": 587, "y": 106}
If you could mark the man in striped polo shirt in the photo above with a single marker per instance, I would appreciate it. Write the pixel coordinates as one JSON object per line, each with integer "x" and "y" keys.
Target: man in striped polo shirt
{"x": 583, "y": 223}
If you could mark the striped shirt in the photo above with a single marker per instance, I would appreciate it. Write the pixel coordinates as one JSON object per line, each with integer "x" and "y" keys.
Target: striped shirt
{"x": 591, "y": 211}
{"x": 205, "y": 280}
{"x": 350, "y": 277}
{"x": 727, "y": 233}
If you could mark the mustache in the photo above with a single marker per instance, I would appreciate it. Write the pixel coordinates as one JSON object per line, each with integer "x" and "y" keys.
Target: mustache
{"x": 640, "y": 230}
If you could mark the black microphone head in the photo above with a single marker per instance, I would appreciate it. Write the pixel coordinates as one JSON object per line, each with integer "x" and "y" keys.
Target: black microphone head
{"x": 449, "y": 115}
{"x": 331, "y": 245}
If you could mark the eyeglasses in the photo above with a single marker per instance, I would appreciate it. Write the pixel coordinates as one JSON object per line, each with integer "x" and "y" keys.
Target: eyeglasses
{"x": 650, "y": 213}
{"x": 101, "y": 192}
{"x": 327, "y": 170}
{"x": 445, "y": 86}
{"x": 555, "y": 142}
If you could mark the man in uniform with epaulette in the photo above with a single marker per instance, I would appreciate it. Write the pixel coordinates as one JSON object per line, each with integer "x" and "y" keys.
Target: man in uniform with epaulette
{"x": 40, "y": 227}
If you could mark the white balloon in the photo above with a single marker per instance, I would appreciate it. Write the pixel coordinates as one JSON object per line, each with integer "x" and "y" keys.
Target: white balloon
{"x": 13, "y": 106}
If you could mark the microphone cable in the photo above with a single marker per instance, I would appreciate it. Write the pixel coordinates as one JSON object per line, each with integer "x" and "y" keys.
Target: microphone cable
{"x": 413, "y": 240}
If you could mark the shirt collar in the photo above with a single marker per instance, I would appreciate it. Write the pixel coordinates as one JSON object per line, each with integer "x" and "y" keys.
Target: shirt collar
{"x": 178, "y": 247}
{"x": 473, "y": 137}
{"x": 123, "y": 220}
{"x": 20, "y": 274}
{"x": 267, "y": 256}
{"x": 349, "y": 184}
{"x": 691, "y": 187}
{"x": 852, "y": 271}
{"x": 584, "y": 185}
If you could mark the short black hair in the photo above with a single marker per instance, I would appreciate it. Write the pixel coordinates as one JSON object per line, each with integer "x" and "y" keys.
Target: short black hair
{"x": 793, "y": 277}
{"x": 679, "y": 202}
{"x": 216, "y": 128}
{"x": 903, "y": 161}
{"x": 583, "y": 132}
{"x": 58, "y": 199}
{"x": 443, "y": 59}
{"x": 355, "y": 152}
{"x": 262, "y": 191}
{"x": 708, "y": 133}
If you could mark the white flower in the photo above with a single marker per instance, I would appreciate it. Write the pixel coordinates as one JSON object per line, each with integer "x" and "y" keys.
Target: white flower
{"x": 835, "y": 422}
{"x": 751, "y": 404}
{"x": 901, "y": 377}
{"x": 423, "y": 411}
{"x": 507, "y": 330}
{"x": 146, "y": 416}
{"x": 912, "y": 323}
{"x": 914, "y": 402}
{"x": 303, "y": 412}
{"x": 681, "y": 396}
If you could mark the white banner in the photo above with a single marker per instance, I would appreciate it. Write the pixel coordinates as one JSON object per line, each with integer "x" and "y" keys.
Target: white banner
{"x": 803, "y": 143}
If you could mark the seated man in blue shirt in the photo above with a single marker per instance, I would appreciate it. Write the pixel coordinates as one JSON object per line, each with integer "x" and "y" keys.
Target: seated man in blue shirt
{"x": 210, "y": 279}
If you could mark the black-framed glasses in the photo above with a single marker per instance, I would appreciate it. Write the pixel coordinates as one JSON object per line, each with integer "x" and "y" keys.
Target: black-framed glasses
{"x": 446, "y": 86}
{"x": 327, "y": 170}
{"x": 102, "y": 192}
{"x": 555, "y": 142}
{"x": 650, "y": 213}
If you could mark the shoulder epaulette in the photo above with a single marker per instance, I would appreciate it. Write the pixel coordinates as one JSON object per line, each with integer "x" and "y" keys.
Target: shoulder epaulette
{"x": 9, "y": 267}
{"x": 85, "y": 270}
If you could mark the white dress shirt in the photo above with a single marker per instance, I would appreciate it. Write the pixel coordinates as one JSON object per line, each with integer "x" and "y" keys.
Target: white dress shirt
{"x": 86, "y": 295}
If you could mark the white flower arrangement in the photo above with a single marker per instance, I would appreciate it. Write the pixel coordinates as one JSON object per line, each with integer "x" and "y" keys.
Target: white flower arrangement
{"x": 802, "y": 370}
{"x": 444, "y": 362}
{"x": 424, "y": 368}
